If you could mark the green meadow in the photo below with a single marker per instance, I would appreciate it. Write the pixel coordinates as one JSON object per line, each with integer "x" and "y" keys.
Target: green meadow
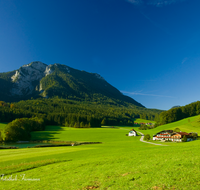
{"x": 191, "y": 124}
{"x": 138, "y": 120}
{"x": 120, "y": 162}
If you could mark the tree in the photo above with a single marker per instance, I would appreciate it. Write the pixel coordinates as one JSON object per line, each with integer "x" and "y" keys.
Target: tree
{"x": 147, "y": 137}
{"x": 177, "y": 130}
{"x": 17, "y": 130}
{"x": 66, "y": 124}
{"x": 12, "y": 106}
{"x": 20, "y": 129}
{"x": 103, "y": 122}
{"x": 1, "y": 139}
{"x": 143, "y": 127}
{"x": 184, "y": 139}
{"x": 194, "y": 136}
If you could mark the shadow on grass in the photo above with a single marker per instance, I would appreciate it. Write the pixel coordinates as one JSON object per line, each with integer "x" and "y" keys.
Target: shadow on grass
{"x": 53, "y": 128}
{"x": 135, "y": 125}
{"x": 112, "y": 127}
{"x": 120, "y": 126}
{"x": 43, "y": 135}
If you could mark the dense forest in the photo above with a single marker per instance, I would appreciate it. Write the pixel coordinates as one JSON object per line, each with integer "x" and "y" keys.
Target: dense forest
{"x": 75, "y": 113}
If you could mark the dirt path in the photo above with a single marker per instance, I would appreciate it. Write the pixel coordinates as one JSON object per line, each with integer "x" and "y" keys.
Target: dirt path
{"x": 142, "y": 140}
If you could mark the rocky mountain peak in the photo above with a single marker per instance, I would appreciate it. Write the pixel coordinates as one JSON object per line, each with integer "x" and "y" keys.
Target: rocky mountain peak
{"x": 27, "y": 76}
{"x": 36, "y": 65}
{"x": 37, "y": 79}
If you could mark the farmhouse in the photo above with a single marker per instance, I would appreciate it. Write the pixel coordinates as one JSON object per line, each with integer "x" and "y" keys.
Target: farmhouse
{"x": 132, "y": 132}
{"x": 172, "y": 136}
{"x": 177, "y": 137}
{"x": 163, "y": 135}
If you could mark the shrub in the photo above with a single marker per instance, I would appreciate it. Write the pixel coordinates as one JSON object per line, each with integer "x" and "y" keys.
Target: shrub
{"x": 177, "y": 130}
{"x": 156, "y": 125}
{"x": 184, "y": 139}
{"x": 194, "y": 136}
{"x": 143, "y": 127}
{"x": 147, "y": 137}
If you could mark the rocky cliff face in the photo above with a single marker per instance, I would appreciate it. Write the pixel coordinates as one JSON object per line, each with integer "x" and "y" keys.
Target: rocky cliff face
{"x": 27, "y": 79}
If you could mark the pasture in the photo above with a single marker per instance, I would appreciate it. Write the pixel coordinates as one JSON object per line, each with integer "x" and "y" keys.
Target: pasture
{"x": 120, "y": 162}
{"x": 138, "y": 120}
{"x": 191, "y": 124}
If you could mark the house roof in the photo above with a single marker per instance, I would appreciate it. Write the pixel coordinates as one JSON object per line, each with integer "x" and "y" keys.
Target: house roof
{"x": 183, "y": 133}
{"x": 168, "y": 131}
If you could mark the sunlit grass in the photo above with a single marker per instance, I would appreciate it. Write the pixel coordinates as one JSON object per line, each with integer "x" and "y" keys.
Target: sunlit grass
{"x": 138, "y": 120}
{"x": 190, "y": 124}
{"x": 120, "y": 162}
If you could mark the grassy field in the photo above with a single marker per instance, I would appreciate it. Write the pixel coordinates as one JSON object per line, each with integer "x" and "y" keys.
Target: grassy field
{"x": 138, "y": 120}
{"x": 191, "y": 124}
{"x": 120, "y": 162}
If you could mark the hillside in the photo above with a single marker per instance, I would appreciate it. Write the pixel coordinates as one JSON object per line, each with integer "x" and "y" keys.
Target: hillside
{"x": 178, "y": 113}
{"x": 37, "y": 79}
{"x": 190, "y": 124}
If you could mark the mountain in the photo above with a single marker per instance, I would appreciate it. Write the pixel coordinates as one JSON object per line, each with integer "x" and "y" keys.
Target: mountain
{"x": 175, "y": 107}
{"x": 40, "y": 80}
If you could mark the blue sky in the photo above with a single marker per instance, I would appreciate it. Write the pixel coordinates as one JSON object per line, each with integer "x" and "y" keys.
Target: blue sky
{"x": 148, "y": 49}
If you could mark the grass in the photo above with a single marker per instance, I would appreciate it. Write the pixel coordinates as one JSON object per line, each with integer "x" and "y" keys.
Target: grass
{"x": 191, "y": 124}
{"x": 120, "y": 162}
{"x": 138, "y": 120}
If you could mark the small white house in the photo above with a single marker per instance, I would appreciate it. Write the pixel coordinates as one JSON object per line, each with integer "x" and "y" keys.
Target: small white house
{"x": 132, "y": 133}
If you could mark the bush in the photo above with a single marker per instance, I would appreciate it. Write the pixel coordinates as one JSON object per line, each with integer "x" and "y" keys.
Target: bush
{"x": 156, "y": 125}
{"x": 184, "y": 139}
{"x": 177, "y": 130}
{"x": 194, "y": 136}
{"x": 147, "y": 137}
{"x": 143, "y": 127}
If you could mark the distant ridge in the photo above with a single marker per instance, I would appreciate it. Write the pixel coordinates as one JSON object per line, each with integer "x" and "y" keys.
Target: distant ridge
{"x": 175, "y": 107}
{"x": 37, "y": 79}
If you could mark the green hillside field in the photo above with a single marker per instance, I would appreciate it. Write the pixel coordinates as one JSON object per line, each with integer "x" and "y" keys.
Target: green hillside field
{"x": 138, "y": 120}
{"x": 120, "y": 162}
{"x": 190, "y": 124}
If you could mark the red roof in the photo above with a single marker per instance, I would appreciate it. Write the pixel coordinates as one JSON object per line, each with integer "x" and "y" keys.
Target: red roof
{"x": 183, "y": 133}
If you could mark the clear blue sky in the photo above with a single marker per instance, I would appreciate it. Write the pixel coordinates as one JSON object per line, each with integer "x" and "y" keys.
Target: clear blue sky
{"x": 148, "y": 49}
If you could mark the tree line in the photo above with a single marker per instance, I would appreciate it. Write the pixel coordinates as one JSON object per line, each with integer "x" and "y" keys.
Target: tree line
{"x": 179, "y": 113}
{"x": 57, "y": 111}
